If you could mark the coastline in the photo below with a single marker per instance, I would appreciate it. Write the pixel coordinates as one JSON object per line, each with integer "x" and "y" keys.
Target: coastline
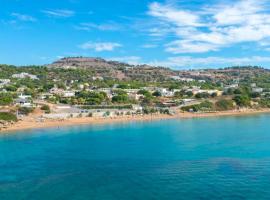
{"x": 29, "y": 123}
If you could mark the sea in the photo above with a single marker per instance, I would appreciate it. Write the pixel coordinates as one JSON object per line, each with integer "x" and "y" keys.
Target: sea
{"x": 204, "y": 158}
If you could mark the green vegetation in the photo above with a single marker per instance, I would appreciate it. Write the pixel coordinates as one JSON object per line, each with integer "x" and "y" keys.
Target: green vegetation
{"x": 117, "y": 78}
{"x": 5, "y": 99}
{"x": 100, "y": 107}
{"x": 156, "y": 94}
{"x": 121, "y": 98}
{"x": 224, "y": 104}
{"x": 204, "y": 106}
{"x": 203, "y": 95}
{"x": 90, "y": 98}
{"x": 242, "y": 100}
{"x": 25, "y": 110}
{"x": 6, "y": 116}
{"x": 264, "y": 103}
{"x": 46, "y": 109}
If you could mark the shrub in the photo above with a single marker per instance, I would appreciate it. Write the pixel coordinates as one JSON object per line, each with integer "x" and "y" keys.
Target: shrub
{"x": 156, "y": 94}
{"x": 204, "y": 106}
{"x": 120, "y": 99}
{"x": 264, "y": 103}
{"x": 6, "y": 116}
{"x": 242, "y": 100}
{"x": 202, "y": 95}
{"x": 224, "y": 104}
{"x": 46, "y": 108}
{"x": 5, "y": 99}
{"x": 25, "y": 110}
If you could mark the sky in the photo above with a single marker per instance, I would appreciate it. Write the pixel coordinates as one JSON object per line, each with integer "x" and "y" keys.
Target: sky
{"x": 181, "y": 34}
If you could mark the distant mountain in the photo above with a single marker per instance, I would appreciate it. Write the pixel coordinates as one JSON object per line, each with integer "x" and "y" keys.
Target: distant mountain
{"x": 86, "y": 62}
{"x": 114, "y": 69}
{"x": 124, "y": 71}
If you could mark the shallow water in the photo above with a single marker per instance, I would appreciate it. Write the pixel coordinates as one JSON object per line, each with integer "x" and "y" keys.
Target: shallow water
{"x": 222, "y": 158}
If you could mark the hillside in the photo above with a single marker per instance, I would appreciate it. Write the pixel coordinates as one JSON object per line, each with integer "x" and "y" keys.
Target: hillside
{"x": 84, "y": 69}
{"x": 114, "y": 69}
{"x": 124, "y": 71}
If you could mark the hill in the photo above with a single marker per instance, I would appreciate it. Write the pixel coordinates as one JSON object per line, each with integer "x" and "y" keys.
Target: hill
{"x": 114, "y": 69}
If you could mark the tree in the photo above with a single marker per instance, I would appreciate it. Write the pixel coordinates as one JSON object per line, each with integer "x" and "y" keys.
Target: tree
{"x": 242, "y": 100}
{"x": 189, "y": 94}
{"x": 206, "y": 105}
{"x": 46, "y": 108}
{"x": 7, "y": 116}
{"x": 120, "y": 98}
{"x": 179, "y": 94}
{"x": 255, "y": 94}
{"x": 143, "y": 92}
{"x": 224, "y": 104}
{"x": 25, "y": 110}
{"x": 157, "y": 94}
{"x": 202, "y": 95}
{"x": 5, "y": 99}
{"x": 90, "y": 98}
{"x": 213, "y": 95}
{"x": 11, "y": 88}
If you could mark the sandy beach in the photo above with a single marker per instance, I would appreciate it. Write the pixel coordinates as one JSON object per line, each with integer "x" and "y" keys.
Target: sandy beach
{"x": 32, "y": 123}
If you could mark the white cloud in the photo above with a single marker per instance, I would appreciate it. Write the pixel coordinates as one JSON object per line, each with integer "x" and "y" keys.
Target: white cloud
{"x": 59, "y": 13}
{"x": 23, "y": 17}
{"x": 100, "y": 46}
{"x": 133, "y": 60}
{"x": 187, "y": 46}
{"x": 169, "y": 14}
{"x": 102, "y": 27}
{"x": 239, "y": 13}
{"x": 201, "y": 62}
{"x": 149, "y": 46}
{"x": 213, "y": 27}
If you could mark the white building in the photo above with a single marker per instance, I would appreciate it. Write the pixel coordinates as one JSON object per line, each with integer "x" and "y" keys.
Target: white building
{"x": 232, "y": 86}
{"x": 196, "y": 91}
{"x": 56, "y": 91}
{"x": 186, "y": 79}
{"x": 258, "y": 90}
{"x": 165, "y": 92}
{"x": 24, "y": 75}
{"x": 108, "y": 91}
{"x": 97, "y": 78}
{"x": 201, "y": 81}
{"x": 23, "y": 96}
{"x": 24, "y": 101}
{"x": 62, "y": 93}
{"x": 68, "y": 94}
{"x": 135, "y": 96}
{"x": 253, "y": 85}
{"x": 4, "y": 82}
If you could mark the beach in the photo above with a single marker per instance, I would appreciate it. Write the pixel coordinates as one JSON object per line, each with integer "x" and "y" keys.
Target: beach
{"x": 31, "y": 122}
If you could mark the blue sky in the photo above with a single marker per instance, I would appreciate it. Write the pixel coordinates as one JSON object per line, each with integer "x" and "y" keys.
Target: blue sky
{"x": 173, "y": 33}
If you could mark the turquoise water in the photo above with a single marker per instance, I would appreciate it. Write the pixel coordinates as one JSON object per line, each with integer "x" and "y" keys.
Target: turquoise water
{"x": 224, "y": 158}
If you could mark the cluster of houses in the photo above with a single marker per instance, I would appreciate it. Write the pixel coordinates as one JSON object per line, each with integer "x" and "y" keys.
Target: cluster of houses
{"x": 64, "y": 111}
{"x": 4, "y": 82}
{"x": 184, "y": 79}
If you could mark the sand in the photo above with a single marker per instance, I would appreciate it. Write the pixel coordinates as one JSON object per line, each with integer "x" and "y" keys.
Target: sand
{"x": 32, "y": 123}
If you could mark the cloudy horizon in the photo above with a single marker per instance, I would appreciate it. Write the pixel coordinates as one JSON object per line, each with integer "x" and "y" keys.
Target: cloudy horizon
{"x": 173, "y": 33}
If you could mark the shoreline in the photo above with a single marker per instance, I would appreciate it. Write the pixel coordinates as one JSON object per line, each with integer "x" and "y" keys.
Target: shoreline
{"x": 29, "y": 123}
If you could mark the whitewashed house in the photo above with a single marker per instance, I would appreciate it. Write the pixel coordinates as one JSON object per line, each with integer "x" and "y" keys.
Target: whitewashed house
{"x": 25, "y": 75}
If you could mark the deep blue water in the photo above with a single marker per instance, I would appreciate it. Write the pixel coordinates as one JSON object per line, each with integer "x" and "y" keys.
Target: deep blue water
{"x": 222, "y": 158}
